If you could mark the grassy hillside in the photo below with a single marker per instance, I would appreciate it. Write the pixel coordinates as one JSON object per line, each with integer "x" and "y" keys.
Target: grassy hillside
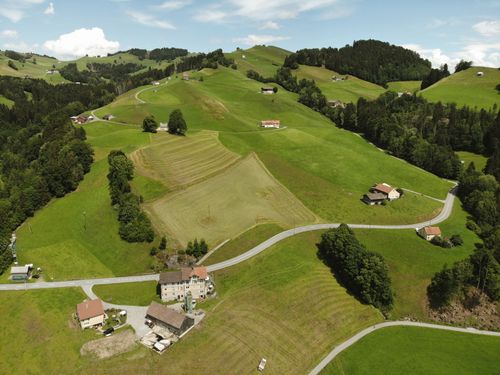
{"x": 413, "y": 261}
{"x": 32, "y": 69}
{"x": 3, "y": 100}
{"x": 412, "y": 350}
{"x": 468, "y": 157}
{"x": 466, "y": 88}
{"x": 265, "y": 60}
{"x": 77, "y": 236}
{"x": 349, "y": 90}
{"x": 404, "y": 86}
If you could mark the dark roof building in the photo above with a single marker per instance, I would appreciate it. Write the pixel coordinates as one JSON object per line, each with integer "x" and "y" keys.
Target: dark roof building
{"x": 162, "y": 315}
{"x": 374, "y": 198}
{"x": 185, "y": 274}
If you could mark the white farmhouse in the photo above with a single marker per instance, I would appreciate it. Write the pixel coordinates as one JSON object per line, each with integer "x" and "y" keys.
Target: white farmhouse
{"x": 386, "y": 189}
{"x": 176, "y": 285}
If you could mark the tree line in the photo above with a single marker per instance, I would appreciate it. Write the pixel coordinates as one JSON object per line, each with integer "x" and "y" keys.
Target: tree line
{"x": 157, "y": 54}
{"x": 135, "y": 226}
{"x": 371, "y": 60}
{"x": 42, "y": 155}
{"x": 362, "y": 272}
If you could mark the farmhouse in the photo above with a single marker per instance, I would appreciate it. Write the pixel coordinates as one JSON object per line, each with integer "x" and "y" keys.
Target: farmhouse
{"x": 163, "y": 127}
{"x": 90, "y": 313}
{"x": 20, "y": 273}
{"x": 172, "y": 320}
{"x": 156, "y": 83}
{"x": 270, "y": 124}
{"x": 267, "y": 90}
{"x": 386, "y": 189}
{"x": 185, "y": 76}
{"x": 374, "y": 198}
{"x": 176, "y": 285}
{"x": 429, "y": 233}
{"x": 336, "y": 103}
{"x": 108, "y": 117}
{"x": 79, "y": 120}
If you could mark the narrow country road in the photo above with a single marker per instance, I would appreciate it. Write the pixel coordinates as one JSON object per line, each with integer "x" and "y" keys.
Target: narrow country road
{"x": 443, "y": 215}
{"x": 341, "y": 347}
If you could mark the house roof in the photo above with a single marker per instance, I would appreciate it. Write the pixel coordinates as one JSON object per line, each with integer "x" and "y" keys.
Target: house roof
{"x": 436, "y": 231}
{"x": 270, "y": 122}
{"x": 376, "y": 196}
{"x": 89, "y": 309}
{"x": 183, "y": 275}
{"x": 19, "y": 269}
{"x": 166, "y": 315}
{"x": 267, "y": 88}
{"x": 384, "y": 188}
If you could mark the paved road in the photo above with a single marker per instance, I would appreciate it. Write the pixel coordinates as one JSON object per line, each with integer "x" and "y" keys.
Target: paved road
{"x": 339, "y": 348}
{"x": 443, "y": 215}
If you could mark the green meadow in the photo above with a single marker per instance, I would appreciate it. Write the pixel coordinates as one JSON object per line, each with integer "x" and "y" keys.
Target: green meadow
{"x": 469, "y": 157}
{"x": 7, "y": 102}
{"x": 466, "y": 88}
{"x": 404, "y": 86}
{"x": 414, "y": 350}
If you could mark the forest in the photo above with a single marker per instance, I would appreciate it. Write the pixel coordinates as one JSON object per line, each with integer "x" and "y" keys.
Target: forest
{"x": 42, "y": 155}
{"x": 371, "y": 60}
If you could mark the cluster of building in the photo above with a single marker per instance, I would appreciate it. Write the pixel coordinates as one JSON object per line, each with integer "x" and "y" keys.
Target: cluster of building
{"x": 380, "y": 193}
{"x": 338, "y": 78}
{"x": 81, "y": 119}
{"x": 167, "y": 323}
{"x": 52, "y": 71}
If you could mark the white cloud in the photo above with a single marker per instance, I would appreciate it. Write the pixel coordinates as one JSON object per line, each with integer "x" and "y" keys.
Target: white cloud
{"x": 487, "y": 28}
{"x": 270, "y": 25}
{"x": 149, "y": 20}
{"x": 15, "y": 10}
{"x": 21, "y": 47}
{"x": 81, "y": 42}
{"x": 174, "y": 4}
{"x": 266, "y": 10}
{"x": 50, "y": 9}
{"x": 211, "y": 15}
{"x": 9, "y": 34}
{"x": 252, "y": 39}
{"x": 434, "y": 55}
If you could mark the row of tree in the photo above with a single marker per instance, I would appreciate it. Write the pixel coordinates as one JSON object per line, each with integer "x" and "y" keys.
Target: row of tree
{"x": 42, "y": 155}
{"x": 157, "y": 54}
{"x": 135, "y": 226}
{"x": 197, "y": 249}
{"x": 362, "y": 272}
{"x": 371, "y": 60}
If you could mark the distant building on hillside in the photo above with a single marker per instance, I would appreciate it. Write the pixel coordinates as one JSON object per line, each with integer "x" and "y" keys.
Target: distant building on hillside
{"x": 156, "y": 83}
{"x": 79, "y": 120}
{"x": 185, "y": 76}
{"x": 52, "y": 71}
{"x": 429, "y": 233}
{"x": 390, "y": 192}
{"x": 20, "y": 273}
{"x": 175, "y": 285}
{"x": 90, "y": 313}
{"x": 163, "y": 127}
{"x": 335, "y": 103}
{"x": 108, "y": 117}
{"x": 267, "y": 90}
{"x": 480, "y": 74}
{"x": 270, "y": 124}
{"x": 337, "y": 78}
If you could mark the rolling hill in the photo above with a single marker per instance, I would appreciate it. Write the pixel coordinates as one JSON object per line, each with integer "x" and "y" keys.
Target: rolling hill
{"x": 467, "y": 88}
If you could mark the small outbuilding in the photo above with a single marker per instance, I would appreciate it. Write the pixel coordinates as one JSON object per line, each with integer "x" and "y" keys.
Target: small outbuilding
{"x": 428, "y": 233}
{"x": 90, "y": 313}
{"x": 480, "y": 74}
{"x": 335, "y": 103}
{"x": 20, "y": 273}
{"x": 185, "y": 76}
{"x": 374, "y": 198}
{"x": 162, "y": 315}
{"x": 267, "y": 90}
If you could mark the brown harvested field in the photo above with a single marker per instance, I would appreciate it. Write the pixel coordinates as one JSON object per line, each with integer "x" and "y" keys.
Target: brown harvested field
{"x": 109, "y": 346}
{"x": 227, "y": 204}
{"x": 181, "y": 161}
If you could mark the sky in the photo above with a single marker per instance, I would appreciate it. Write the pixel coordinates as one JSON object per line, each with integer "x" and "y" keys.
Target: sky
{"x": 443, "y": 31}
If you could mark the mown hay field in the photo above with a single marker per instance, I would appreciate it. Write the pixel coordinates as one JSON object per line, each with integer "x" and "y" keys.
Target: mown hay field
{"x": 227, "y": 204}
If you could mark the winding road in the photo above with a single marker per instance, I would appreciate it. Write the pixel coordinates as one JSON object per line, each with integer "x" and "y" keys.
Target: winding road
{"x": 341, "y": 347}
{"x": 442, "y": 216}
